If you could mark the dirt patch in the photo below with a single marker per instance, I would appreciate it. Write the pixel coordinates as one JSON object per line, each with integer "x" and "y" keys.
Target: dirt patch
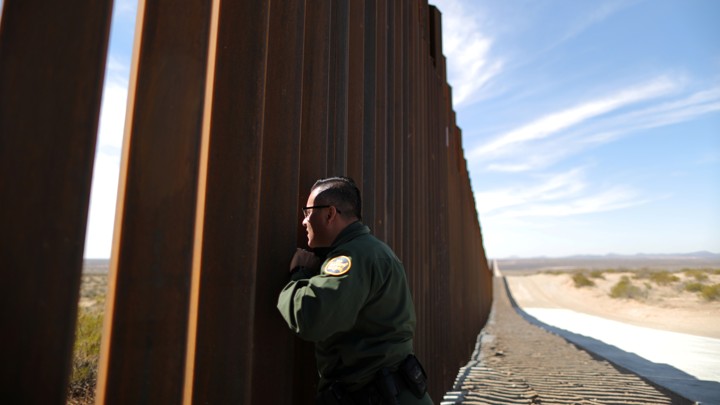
{"x": 667, "y": 306}
{"x": 93, "y": 290}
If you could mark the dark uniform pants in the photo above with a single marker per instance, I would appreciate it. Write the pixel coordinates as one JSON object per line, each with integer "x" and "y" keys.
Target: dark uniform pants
{"x": 404, "y": 397}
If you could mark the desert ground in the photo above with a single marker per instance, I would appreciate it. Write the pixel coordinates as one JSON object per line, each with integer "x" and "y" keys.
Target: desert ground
{"x": 93, "y": 291}
{"x": 667, "y": 307}
{"x": 548, "y": 283}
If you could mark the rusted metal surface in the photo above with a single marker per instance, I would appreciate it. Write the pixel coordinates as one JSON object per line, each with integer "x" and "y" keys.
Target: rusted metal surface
{"x": 278, "y": 202}
{"x": 226, "y": 250}
{"x": 235, "y": 110}
{"x": 52, "y": 63}
{"x": 144, "y": 340}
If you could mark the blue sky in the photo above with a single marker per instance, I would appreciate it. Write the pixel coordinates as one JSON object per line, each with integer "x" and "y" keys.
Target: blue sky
{"x": 101, "y": 217}
{"x": 590, "y": 127}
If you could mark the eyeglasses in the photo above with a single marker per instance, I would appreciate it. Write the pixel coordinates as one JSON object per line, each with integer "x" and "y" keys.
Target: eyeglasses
{"x": 306, "y": 210}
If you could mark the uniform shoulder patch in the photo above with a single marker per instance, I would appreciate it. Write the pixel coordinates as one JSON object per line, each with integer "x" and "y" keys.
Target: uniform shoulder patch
{"x": 338, "y": 266}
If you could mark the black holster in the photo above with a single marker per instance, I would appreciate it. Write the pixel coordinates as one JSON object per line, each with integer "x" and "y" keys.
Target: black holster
{"x": 384, "y": 389}
{"x": 387, "y": 387}
{"x": 414, "y": 375}
{"x": 335, "y": 394}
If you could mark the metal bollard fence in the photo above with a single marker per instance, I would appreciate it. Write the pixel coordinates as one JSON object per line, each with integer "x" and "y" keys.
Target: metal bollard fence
{"x": 235, "y": 108}
{"x": 52, "y": 59}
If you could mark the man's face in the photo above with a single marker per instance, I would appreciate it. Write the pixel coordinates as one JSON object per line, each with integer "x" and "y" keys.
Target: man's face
{"x": 316, "y": 224}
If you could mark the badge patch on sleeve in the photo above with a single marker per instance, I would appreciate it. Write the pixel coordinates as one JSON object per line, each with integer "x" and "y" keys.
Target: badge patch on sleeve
{"x": 338, "y": 266}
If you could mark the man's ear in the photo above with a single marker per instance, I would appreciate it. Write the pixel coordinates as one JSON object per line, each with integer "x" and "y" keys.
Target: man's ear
{"x": 332, "y": 213}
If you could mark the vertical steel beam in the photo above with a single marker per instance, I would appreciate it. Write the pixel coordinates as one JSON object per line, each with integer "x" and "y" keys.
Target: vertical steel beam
{"x": 370, "y": 114}
{"x": 391, "y": 209}
{"x": 315, "y": 139}
{"x": 405, "y": 84}
{"x": 338, "y": 96}
{"x": 222, "y": 319}
{"x": 313, "y": 157}
{"x": 356, "y": 91}
{"x": 399, "y": 131}
{"x": 279, "y": 198}
{"x": 381, "y": 122}
{"x": 436, "y": 50}
{"x": 144, "y": 341}
{"x": 52, "y": 63}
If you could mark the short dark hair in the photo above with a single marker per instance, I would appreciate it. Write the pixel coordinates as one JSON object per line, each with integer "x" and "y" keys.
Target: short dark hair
{"x": 340, "y": 192}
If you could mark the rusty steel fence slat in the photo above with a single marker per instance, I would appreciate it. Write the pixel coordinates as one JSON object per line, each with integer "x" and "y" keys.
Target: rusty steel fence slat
{"x": 314, "y": 144}
{"x": 379, "y": 226}
{"x": 356, "y": 89}
{"x": 339, "y": 84}
{"x": 234, "y": 111}
{"x": 52, "y": 63}
{"x": 226, "y": 274}
{"x": 144, "y": 341}
{"x": 278, "y": 200}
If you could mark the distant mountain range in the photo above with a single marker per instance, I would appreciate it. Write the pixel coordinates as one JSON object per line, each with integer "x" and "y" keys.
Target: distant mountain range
{"x": 96, "y": 265}
{"x": 669, "y": 261}
{"x": 700, "y": 254}
{"x": 672, "y": 261}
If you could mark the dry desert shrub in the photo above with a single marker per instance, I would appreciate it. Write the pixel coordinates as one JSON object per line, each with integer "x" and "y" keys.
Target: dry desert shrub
{"x": 581, "y": 280}
{"x": 86, "y": 353}
{"x": 699, "y": 275}
{"x": 86, "y": 350}
{"x": 663, "y": 277}
{"x": 598, "y": 274}
{"x": 710, "y": 292}
{"x": 626, "y": 289}
{"x": 657, "y": 284}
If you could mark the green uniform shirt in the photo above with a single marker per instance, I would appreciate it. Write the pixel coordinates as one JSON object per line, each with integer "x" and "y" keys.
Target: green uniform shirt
{"x": 358, "y": 310}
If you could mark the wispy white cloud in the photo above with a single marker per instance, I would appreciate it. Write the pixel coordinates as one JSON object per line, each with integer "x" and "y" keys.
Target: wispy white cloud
{"x": 671, "y": 112}
{"x": 608, "y": 200}
{"x": 126, "y": 6}
{"x": 533, "y": 196}
{"x": 542, "y": 188}
{"x": 477, "y": 69}
{"x": 468, "y": 44}
{"x": 112, "y": 114}
{"x": 106, "y": 170}
{"x": 468, "y": 50}
{"x": 117, "y": 70}
{"x": 559, "y": 195}
{"x": 554, "y": 123}
{"x": 531, "y": 157}
{"x": 595, "y": 16}
{"x": 540, "y": 152}
{"x": 101, "y": 215}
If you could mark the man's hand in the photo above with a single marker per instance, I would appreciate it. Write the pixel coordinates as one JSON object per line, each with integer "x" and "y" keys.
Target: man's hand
{"x": 305, "y": 259}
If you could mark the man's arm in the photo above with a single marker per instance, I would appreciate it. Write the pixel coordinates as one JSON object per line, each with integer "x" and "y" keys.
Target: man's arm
{"x": 317, "y": 307}
{"x": 304, "y": 264}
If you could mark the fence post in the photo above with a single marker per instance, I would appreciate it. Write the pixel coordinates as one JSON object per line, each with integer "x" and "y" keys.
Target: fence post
{"x": 220, "y": 350}
{"x": 52, "y": 63}
{"x": 144, "y": 339}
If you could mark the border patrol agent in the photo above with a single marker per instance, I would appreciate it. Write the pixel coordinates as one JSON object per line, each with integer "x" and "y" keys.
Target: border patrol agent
{"x": 350, "y": 297}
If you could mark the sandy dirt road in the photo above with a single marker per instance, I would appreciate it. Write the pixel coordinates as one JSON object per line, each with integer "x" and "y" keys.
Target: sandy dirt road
{"x": 665, "y": 308}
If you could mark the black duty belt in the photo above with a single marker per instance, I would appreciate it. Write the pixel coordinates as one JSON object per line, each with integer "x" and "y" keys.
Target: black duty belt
{"x": 384, "y": 388}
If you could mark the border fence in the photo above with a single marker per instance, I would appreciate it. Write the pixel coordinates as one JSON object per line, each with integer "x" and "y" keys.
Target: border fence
{"x": 234, "y": 109}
